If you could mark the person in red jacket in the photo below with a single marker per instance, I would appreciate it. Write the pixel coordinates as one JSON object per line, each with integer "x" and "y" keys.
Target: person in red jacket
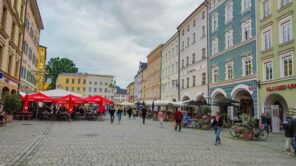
{"x": 178, "y": 119}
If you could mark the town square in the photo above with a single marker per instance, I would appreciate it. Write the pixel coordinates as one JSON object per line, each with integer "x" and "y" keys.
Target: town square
{"x": 148, "y": 82}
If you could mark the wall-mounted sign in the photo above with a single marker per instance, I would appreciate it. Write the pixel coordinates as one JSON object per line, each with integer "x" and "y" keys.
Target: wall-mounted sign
{"x": 281, "y": 87}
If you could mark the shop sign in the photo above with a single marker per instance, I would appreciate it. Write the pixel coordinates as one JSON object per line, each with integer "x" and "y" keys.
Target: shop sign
{"x": 281, "y": 87}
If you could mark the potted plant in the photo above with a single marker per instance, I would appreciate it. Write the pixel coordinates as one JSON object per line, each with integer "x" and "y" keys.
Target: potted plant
{"x": 11, "y": 104}
{"x": 248, "y": 122}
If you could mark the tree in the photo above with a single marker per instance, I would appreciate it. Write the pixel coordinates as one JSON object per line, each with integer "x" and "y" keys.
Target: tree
{"x": 56, "y": 66}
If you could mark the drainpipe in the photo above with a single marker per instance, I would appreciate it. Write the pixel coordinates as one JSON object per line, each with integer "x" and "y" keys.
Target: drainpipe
{"x": 21, "y": 62}
{"x": 208, "y": 59}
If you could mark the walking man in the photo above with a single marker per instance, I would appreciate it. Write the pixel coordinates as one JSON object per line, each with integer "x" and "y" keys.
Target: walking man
{"x": 129, "y": 112}
{"x": 178, "y": 119}
{"x": 217, "y": 124}
{"x": 294, "y": 133}
{"x": 112, "y": 111}
{"x": 287, "y": 125}
{"x": 144, "y": 113}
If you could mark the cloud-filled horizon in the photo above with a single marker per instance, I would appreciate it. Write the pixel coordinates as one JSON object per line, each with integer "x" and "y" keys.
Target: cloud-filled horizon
{"x": 110, "y": 36}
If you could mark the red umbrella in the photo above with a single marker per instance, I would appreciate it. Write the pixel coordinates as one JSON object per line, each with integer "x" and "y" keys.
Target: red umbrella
{"x": 94, "y": 99}
{"x": 26, "y": 103}
{"x": 71, "y": 99}
{"x": 37, "y": 97}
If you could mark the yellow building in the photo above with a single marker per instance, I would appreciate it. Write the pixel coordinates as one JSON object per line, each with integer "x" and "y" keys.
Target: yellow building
{"x": 130, "y": 92}
{"x": 40, "y": 75}
{"x": 153, "y": 74}
{"x": 73, "y": 82}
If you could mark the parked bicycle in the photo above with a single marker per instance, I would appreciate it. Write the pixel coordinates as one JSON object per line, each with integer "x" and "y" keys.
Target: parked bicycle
{"x": 249, "y": 131}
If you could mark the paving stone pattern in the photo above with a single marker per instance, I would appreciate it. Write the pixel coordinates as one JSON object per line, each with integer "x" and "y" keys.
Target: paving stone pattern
{"x": 129, "y": 143}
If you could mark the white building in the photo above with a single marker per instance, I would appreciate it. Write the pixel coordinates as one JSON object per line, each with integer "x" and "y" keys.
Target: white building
{"x": 120, "y": 95}
{"x": 100, "y": 85}
{"x": 169, "y": 69}
{"x": 193, "y": 55}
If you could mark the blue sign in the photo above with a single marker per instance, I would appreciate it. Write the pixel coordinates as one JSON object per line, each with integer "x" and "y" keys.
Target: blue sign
{"x": 1, "y": 75}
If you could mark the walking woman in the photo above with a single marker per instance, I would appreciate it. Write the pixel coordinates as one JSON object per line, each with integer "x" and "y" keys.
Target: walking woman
{"x": 217, "y": 124}
{"x": 161, "y": 118}
{"x": 119, "y": 114}
{"x": 112, "y": 111}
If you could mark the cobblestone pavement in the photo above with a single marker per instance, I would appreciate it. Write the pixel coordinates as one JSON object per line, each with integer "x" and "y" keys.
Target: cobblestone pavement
{"x": 128, "y": 143}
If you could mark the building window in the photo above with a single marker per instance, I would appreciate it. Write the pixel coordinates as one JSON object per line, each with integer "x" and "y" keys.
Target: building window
{"x": 89, "y": 82}
{"x": 187, "y": 61}
{"x": 188, "y": 28}
{"x": 194, "y": 23}
{"x": 89, "y": 89}
{"x": 182, "y": 83}
{"x": 204, "y": 77}
{"x": 267, "y": 40}
{"x": 203, "y": 15}
{"x": 229, "y": 39}
{"x": 193, "y": 40}
{"x": 96, "y": 83}
{"x": 100, "y": 90}
{"x": 215, "y": 72}
{"x": 4, "y": 19}
{"x": 267, "y": 71}
{"x": 284, "y": 3}
{"x": 188, "y": 42}
{"x": 228, "y": 12}
{"x": 84, "y": 81}
{"x": 266, "y": 8}
{"x": 229, "y": 70}
{"x": 285, "y": 30}
{"x": 183, "y": 32}
{"x": 203, "y": 31}
{"x": 193, "y": 58}
{"x": 182, "y": 63}
{"x": 182, "y": 45}
{"x": 95, "y": 89}
{"x": 215, "y": 46}
{"x": 72, "y": 89}
{"x": 73, "y": 81}
{"x": 287, "y": 66}
{"x": 67, "y": 88}
{"x": 106, "y": 90}
{"x": 67, "y": 81}
{"x": 214, "y": 22}
{"x": 83, "y": 89}
{"x": 78, "y": 89}
{"x": 78, "y": 81}
{"x": 246, "y": 30}
{"x": 247, "y": 66}
{"x": 187, "y": 86}
{"x": 203, "y": 53}
{"x": 193, "y": 81}
{"x": 246, "y": 5}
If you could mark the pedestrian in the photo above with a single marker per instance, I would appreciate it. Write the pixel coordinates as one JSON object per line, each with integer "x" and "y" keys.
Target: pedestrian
{"x": 134, "y": 113}
{"x": 129, "y": 112}
{"x": 178, "y": 119}
{"x": 112, "y": 111}
{"x": 217, "y": 125}
{"x": 2, "y": 116}
{"x": 144, "y": 113}
{"x": 268, "y": 122}
{"x": 287, "y": 125}
{"x": 119, "y": 114}
{"x": 293, "y": 127}
{"x": 161, "y": 118}
{"x": 264, "y": 121}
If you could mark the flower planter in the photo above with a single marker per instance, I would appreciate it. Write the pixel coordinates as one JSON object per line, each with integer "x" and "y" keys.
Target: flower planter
{"x": 248, "y": 135}
{"x": 9, "y": 118}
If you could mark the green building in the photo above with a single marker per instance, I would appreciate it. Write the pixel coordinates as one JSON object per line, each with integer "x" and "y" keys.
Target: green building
{"x": 276, "y": 50}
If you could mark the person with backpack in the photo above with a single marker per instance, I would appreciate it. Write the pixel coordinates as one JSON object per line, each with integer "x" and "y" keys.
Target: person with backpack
{"x": 287, "y": 126}
{"x": 217, "y": 125}
{"x": 144, "y": 113}
{"x": 178, "y": 119}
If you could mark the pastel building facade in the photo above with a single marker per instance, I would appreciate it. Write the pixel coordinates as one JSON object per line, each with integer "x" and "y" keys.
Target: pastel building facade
{"x": 40, "y": 75}
{"x": 232, "y": 57}
{"x": 276, "y": 38}
{"x": 193, "y": 56}
{"x": 138, "y": 82}
{"x": 170, "y": 68}
{"x": 101, "y": 85}
{"x": 130, "y": 92}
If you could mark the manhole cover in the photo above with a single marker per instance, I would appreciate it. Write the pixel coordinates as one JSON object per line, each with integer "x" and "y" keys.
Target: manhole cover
{"x": 91, "y": 135}
{"x": 27, "y": 124}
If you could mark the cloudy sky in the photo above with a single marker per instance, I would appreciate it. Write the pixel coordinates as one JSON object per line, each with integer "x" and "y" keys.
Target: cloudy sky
{"x": 110, "y": 36}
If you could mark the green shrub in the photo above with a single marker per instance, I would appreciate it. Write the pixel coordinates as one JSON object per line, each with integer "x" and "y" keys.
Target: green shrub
{"x": 11, "y": 103}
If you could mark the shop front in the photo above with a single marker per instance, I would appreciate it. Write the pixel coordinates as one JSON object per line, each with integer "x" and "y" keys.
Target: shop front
{"x": 8, "y": 86}
{"x": 234, "y": 100}
{"x": 278, "y": 100}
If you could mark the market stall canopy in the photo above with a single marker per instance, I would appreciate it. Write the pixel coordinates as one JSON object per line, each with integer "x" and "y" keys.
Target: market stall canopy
{"x": 126, "y": 104}
{"x": 195, "y": 102}
{"x": 37, "y": 97}
{"x": 58, "y": 93}
{"x": 226, "y": 102}
{"x": 97, "y": 99}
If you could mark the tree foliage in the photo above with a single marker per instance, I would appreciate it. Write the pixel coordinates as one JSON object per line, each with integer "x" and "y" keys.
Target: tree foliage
{"x": 56, "y": 66}
{"x": 11, "y": 103}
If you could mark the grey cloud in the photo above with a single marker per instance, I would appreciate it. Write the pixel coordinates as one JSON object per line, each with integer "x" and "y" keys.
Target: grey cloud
{"x": 110, "y": 36}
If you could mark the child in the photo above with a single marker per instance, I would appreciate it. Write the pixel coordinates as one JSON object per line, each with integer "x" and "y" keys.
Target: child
{"x": 161, "y": 118}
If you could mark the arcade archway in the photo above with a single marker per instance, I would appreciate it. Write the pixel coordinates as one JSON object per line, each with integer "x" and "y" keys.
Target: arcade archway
{"x": 245, "y": 99}
{"x": 278, "y": 100}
